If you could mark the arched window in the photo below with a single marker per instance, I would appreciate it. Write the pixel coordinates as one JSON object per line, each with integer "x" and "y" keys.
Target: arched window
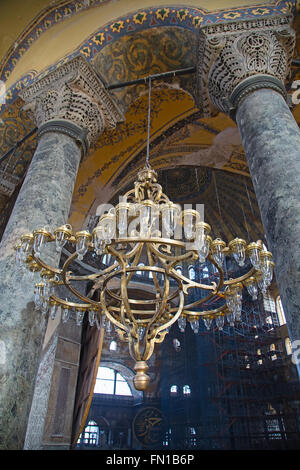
{"x": 205, "y": 272}
{"x": 280, "y": 311}
{"x": 179, "y": 269}
{"x": 173, "y": 390}
{"x": 259, "y": 362}
{"x": 106, "y": 259}
{"x": 113, "y": 346}
{"x": 288, "y": 346}
{"x": 273, "y": 349}
{"x": 192, "y": 273}
{"x": 111, "y": 382}
{"x": 91, "y": 434}
{"x": 140, "y": 273}
{"x": 186, "y": 390}
{"x": 176, "y": 344}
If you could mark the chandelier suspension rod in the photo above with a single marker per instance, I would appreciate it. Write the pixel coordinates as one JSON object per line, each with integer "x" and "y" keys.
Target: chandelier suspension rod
{"x": 148, "y": 127}
{"x": 156, "y": 76}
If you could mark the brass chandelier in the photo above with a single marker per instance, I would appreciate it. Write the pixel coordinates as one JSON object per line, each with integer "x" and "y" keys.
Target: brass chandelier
{"x": 144, "y": 232}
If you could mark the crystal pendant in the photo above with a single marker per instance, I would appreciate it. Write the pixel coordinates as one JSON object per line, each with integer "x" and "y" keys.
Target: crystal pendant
{"x": 230, "y": 302}
{"x": 220, "y": 320}
{"x": 237, "y": 247}
{"x": 267, "y": 265}
{"x": 65, "y": 314}
{"x": 99, "y": 322}
{"x": 19, "y": 260}
{"x": 82, "y": 243}
{"x": 170, "y": 214}
{"x": 53, "y": 310}
{"x": 62, "y": 234}
{"x": 231, "y": 318}
{"x": 190, "y": 218}
{"x": 202, "y": 241}
{"x": 252, "y": 287}
{"x": 108, "y": 225}
{"x": 26, "y": 245}
{"x": 217, "y": 248}
{"x": 253, "y": 250}
{"x": 44, "y": 307}
{"x": 92, "y": 317}
{"x": 79, "y": 316}
{"x": 38, "y": 295}
{"x": 207, "y": 322}
{"x": 181, "y": 324}
{"x": 195, "y": 325}
{"x": 108, "y": 326}
{"x": 98, "y": 240}
{"x": 148, "y": 214}
{"x": 40, "y": 237}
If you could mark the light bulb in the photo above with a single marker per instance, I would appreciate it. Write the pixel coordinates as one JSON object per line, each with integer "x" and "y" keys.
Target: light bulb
{"x": 65, "y": 315}
{"x": 195, "y": 325}
{"x": 207, "y": 322}
{"x": 217, "y": 248}
{"x": 82, "y": 243}
{"x": 220, "y": 320}
{"x": 237, "y": 247}
{"x": 253, "y": 250}
{"x": 62, "y": 234}
{"x": 181, "y": 324}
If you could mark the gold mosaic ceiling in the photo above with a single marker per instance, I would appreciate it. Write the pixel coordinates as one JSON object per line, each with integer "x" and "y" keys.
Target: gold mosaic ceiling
{"x": 179, "y": 137}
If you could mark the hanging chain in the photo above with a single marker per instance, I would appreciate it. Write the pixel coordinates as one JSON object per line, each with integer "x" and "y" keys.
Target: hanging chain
{"x": 147, "y": 165}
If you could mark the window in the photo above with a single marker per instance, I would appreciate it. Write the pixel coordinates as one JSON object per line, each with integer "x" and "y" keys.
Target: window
{"x": 288, "y": 346}
{"x": 186, "y": 390}
{"x": 280, "y": 311}
{"x": 109, "y": 381}
{"x": 273, "y": 349}
{"x": 205, "y": 273}
{"x": 113, "y": 346}
{"x": 259, "y": 362}
{"x": 178, "y": 269}
{"x": 139, "y": 273}
{"x": 106, "y": 259}
{"x": 192, "y": 273}
{"x": 91, "y": 434}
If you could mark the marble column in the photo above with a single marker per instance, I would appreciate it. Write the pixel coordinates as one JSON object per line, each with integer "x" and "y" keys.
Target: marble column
{"x": 242, "y": 70}
{"x": 71, "y": 109}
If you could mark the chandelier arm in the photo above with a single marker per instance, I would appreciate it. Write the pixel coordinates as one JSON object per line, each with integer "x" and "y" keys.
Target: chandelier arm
{"x": 162, "y": 330}
{"x": 150, "y": 259}
{"x": 44, "y": 265}
{"x": 163, "y": 304}
{"x": 125, "y": 301}
{"x": 206, "y": 312}
{"x": 109, "y": 316}
{"x": 69, "y": 304}
{"x": 68, "y": 285}
{"x": 133, "y": 251}
{"x": 135, "y": 261}
{"x": 241, "y": 278}
{"x": 189, "y": 254}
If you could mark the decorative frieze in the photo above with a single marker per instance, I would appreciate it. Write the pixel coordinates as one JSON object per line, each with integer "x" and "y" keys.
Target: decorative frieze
{"x": 229, "y": 53}
{"x": 74, "y": 93}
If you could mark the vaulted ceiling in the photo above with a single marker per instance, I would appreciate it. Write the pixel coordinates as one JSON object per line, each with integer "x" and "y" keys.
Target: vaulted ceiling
{"x": 123, "y": 42}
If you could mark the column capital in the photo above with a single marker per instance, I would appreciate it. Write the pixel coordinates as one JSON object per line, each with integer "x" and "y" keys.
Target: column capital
{"x": 73, "y": 100}
{"x": 236, "y": 58}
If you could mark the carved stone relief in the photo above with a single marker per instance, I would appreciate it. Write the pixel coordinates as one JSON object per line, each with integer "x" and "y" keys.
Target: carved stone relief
{"x": 73, "y": 92}
{"x": 230, "y": 53}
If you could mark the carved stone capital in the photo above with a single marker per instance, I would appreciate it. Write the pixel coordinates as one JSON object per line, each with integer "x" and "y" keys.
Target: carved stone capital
{"x": 238, "y": 57}
{"x": 71, "y": 99}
